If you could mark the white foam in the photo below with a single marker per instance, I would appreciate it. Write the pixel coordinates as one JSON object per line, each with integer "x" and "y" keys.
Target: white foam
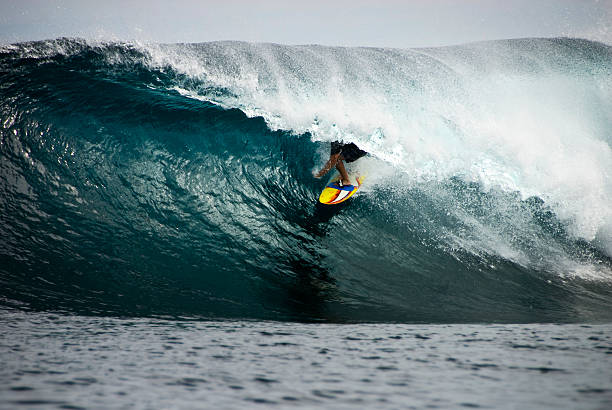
{"x": 527, "y": 117}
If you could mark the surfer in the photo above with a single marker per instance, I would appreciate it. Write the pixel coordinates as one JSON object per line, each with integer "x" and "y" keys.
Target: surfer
{"x": 341, "y": 152}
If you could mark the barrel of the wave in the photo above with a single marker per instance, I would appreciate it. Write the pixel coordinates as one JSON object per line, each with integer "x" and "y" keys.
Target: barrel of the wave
{"x": 335, "y": 192}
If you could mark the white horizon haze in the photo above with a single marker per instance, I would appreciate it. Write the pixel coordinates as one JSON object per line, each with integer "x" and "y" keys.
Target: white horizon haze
{"x": 387, "y": 23}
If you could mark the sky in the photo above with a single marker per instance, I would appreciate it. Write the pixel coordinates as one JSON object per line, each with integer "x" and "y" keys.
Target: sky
{"x": 382, "y": 23}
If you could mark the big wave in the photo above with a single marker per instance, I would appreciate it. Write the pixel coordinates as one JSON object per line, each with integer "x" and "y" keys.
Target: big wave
{"x": 177, "y": 180}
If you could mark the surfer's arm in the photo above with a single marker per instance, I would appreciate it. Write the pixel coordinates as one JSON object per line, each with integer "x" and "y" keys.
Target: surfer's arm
{"x": 333, "y": 160}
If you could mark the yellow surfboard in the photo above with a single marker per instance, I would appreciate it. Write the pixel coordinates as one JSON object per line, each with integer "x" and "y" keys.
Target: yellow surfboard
{"x": 334, "y": 193}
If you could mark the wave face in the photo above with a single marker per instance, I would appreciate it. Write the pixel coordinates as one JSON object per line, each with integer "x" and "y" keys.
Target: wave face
{"x": 176, "y": 180}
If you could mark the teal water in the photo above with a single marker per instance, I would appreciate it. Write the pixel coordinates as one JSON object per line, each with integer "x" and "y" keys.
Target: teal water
{"x": 176, "y": 180}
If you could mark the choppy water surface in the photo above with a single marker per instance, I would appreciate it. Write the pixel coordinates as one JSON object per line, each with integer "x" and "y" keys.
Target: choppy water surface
{"x": 82, "y": 362}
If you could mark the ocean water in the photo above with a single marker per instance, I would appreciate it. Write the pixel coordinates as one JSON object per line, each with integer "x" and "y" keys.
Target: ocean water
{"x": 157, "y": 189}
{"x": 72, "y": 362}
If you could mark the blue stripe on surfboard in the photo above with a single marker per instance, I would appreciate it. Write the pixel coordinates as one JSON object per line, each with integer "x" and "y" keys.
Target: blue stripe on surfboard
{"x": 342, "y": 188}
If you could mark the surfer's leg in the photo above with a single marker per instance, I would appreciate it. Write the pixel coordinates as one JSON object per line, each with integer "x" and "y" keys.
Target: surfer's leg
{"x": 343, "y": 173}
{"x": 333, "y": 160}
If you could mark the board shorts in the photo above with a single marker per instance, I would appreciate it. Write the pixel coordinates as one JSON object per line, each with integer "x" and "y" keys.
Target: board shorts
{"x": 350, "y": 152}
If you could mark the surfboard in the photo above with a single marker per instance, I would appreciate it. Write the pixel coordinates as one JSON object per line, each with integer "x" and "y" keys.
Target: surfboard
{"x": 334, "y": 193}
